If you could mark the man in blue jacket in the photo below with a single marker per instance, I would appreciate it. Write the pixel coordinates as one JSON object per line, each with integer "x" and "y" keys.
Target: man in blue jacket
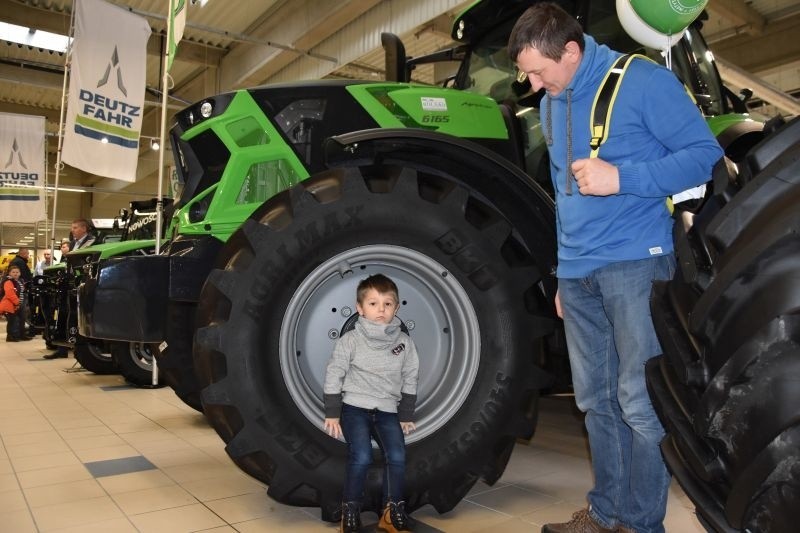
{"x": 614, "y": 240}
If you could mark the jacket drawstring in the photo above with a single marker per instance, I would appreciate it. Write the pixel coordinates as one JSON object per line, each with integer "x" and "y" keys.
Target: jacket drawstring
{"x": 548, "y": 134}
{"x": 569, "y": 141}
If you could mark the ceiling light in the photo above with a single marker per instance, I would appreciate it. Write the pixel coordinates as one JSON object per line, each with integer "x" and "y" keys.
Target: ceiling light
{"x": 154, "y": 144}
{"x": 32, "y": 37}
{"x": 50, "y": 188}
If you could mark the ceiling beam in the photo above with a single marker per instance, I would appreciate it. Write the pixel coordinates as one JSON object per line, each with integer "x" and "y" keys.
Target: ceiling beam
{"x": 304, "y": 23}
{"x": 761, "y": 89}
{"x": 777, "y": 45}
{"x": 741, "y": 14}
{"x": 32, "y": 76}
{"x": 362, "y": 35}
{"x": 58, "y": 22}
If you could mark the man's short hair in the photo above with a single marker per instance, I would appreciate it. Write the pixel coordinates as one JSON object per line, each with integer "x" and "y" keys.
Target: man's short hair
{"x": 546, "y": 27}
{"x": 380, "y": 283}
{"x": 83, "y": 222}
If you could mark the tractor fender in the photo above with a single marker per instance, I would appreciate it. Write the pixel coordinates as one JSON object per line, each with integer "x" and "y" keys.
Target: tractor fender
{"x": 374, "y": 143}
{"x": 502, "y": 183}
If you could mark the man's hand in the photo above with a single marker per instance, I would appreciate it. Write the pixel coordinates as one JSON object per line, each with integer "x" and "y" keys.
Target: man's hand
{"x": 333, "y": 428}
{"x": 596, "y": 177}
{"x": 408, "y": 427}
{"x": 559, "y": 312}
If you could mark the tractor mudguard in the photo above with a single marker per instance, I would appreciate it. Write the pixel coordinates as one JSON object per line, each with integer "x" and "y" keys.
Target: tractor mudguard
{"x": 132, "y": 293}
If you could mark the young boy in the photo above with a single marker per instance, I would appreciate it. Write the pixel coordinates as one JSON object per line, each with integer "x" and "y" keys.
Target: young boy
{"x": 9, "y": 305}
{"x": 371, "y": 386}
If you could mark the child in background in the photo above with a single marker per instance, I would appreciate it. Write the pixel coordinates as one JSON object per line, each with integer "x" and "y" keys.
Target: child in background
{"x": 9, "y": 305}
{"x": 370, "y": 389}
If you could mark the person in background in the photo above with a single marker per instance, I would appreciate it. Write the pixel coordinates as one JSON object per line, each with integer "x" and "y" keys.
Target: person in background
{"x": 25, "y": 278}
{"x": 10, "y": 304}
{"x": 47, "y": 260}
{"x": 370, "y": 390}
{"x": 64, "y": 248}
{"x": 614, "y": 239}
{"x": 81, "y": 238}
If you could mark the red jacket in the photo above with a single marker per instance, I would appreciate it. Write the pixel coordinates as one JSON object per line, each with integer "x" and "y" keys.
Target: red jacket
{"x": 10, "y": 301}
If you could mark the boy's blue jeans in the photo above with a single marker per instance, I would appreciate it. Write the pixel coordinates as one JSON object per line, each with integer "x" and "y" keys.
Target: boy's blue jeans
{"x": 610, "y": 336}
{"x": 359, "y": 427}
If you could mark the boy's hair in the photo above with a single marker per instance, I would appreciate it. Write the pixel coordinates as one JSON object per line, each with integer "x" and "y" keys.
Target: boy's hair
{"x": 10, "y": 268}
{"x": 547, "y": 28}
{"x": 380, "y": 283}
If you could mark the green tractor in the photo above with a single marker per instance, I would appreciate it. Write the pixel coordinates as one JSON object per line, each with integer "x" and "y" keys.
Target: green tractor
{"x": 293, "y": 193}
{"x": 132, "y": 235}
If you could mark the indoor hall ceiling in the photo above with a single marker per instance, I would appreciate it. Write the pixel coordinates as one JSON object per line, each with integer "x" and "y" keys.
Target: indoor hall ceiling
{"x": 233, "y": 44}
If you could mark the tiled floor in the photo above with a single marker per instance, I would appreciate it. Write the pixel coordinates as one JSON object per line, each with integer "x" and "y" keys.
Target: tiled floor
{"x": 85, "y": 453}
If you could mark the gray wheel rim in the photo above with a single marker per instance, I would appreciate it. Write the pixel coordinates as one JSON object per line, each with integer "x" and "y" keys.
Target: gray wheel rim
{"x": 434, "y": 306}
{"x": 141, "y": 355}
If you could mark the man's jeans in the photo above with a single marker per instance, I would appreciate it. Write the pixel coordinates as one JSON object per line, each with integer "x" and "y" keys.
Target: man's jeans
{"x": 610, "y": 336}
{"x": 359, "y": 426}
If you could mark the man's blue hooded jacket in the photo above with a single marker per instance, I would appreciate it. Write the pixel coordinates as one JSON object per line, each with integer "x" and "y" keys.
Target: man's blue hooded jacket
{"x": 661, "y": 145}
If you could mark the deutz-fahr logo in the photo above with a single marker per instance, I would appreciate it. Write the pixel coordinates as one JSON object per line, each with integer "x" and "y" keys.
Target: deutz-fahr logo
{"x": 105, "y": 117}
{"x": 15, "y": 163}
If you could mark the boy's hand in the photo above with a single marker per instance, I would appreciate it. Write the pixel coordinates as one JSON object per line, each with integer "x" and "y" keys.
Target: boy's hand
{"x": 408, "y": 427}
{"x": 333, "y": 428}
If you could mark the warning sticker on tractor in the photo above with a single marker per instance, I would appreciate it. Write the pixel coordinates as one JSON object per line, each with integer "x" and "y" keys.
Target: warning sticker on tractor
{"x": 434, "y": 104}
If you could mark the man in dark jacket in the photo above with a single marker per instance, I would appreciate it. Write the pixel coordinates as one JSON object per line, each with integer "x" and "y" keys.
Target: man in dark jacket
{"x": 25, "y": 277}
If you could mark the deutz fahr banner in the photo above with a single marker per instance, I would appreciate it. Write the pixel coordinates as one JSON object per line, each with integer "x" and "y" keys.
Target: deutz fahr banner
{"x": 106, "y": 90}
{"x": 22, "y": 168}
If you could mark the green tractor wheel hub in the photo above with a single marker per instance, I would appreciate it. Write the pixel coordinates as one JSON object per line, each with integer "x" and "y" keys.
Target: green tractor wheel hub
{"x": 434, "y": 307}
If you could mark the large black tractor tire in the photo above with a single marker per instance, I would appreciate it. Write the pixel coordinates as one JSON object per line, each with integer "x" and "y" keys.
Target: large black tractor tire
{"x": 727, "y": 386}
{"x": 95, "y": 356}
{"x": 174, "y": 357}
{"x": 135, "y": 362}
{"x": 471, "y": 256}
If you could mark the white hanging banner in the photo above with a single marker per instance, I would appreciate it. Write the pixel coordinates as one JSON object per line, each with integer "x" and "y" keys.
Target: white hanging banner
{"x": 106, "y": 90}
{"x": 22, "y": 168}
{"x": 177, "y": 12}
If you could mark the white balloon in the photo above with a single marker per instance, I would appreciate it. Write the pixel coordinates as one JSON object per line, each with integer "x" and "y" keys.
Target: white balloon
{"x": 641, "y": 32}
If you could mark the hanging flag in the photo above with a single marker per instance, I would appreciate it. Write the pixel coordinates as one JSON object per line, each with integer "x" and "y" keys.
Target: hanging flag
{"x": 177, "y": 13}
{"x": 106, "y": 90}
{"x": 22, "y": 168}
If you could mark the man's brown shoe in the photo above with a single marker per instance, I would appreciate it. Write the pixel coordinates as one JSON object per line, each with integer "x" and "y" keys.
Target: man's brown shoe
{"x": 582, "y": 522}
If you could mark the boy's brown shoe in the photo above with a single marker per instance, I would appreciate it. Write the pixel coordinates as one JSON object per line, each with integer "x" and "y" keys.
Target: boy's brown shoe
{"x": 394, "y": 519}
{"x": 582, "y": 522}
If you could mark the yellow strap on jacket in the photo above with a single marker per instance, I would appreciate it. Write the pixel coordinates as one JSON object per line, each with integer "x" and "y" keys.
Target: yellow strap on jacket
{"x": 603, "y": 105}
{"x": 604, "y": 99}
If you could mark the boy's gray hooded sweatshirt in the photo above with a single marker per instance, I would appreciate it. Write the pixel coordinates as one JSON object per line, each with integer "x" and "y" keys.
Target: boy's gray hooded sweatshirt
{"x": 374, "y": 366}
